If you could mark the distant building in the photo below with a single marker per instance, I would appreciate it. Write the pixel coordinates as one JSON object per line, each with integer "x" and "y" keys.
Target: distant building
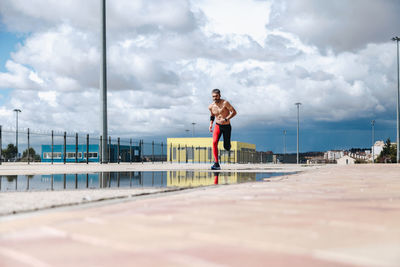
{"x": 377, "y": 148}
{"x": 94, "y": 156}
{"x": 345, "y": 160}
{"x": 333, "y": 155}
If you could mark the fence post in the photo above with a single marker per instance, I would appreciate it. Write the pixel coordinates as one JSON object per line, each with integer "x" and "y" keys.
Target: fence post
{"x": 87, "y": 149}
{"x": 28, "y": 147}
{"x": 119, "y": 151}
{"x": 76, "y": 147}
{"x": 162, "y": 152}
{"x": 170, "y": 152}
{"x": 186, "y": 154}
{"x": 152, "y": 151}
{"x": 1, "y": 145}
{"x": 131, "y": 157}
{"x": 52, "y": 146}
{"x": 101, "y": 150}
{"x": 65, "y": 147}
{"x": 109, "y": 149}
{"x": 142, "y": 149}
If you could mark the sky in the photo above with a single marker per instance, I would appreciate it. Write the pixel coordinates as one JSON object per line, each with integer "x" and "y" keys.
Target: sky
{"x": 165, "y": 57}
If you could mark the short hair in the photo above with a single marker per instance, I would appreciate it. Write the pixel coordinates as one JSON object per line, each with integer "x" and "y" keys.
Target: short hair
{"x": 216, "y": 91}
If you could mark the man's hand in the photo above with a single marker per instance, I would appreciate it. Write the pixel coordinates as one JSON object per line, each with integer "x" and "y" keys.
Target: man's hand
{"x": 211, "y": 128}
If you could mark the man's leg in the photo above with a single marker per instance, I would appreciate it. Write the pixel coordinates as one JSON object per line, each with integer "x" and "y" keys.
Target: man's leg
{"x": 227, "y": 136}
{"x": 216, "y": 136}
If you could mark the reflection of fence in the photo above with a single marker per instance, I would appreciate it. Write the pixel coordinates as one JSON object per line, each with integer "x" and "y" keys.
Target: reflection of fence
{"x": 73, "y": 147}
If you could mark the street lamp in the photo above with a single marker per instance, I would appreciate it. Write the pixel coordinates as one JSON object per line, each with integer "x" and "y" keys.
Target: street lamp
{"x": 193, "y": 123}
{"x": 16, "y": 132}
{"x": 397, "y": 39}
{"x": 187, "y": 131}
{"x": 284, "y": 144}
{"x": 373, "y": 140}
{"x": 103, "y": 84}
{"x": 298, "y": 129}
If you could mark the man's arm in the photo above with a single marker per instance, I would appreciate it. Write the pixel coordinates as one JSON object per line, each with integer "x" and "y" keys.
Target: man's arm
{"x": 212, "y": 118}
{"x": 232, "y": 111}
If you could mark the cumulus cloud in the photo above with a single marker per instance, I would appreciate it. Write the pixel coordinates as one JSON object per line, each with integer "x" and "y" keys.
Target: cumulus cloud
{"x": 338, "y": 25}
{"x": 165, "y": 57}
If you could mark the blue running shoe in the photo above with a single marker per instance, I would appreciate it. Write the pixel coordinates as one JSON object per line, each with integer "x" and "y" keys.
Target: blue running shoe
{"x": 215, "y": 166}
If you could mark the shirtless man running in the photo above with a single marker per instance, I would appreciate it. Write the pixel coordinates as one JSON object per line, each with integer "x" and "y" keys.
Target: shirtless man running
{"x": 221, "y": 111}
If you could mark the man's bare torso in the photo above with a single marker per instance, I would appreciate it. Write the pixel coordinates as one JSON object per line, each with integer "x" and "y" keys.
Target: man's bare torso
{"x": 220, "y": 110}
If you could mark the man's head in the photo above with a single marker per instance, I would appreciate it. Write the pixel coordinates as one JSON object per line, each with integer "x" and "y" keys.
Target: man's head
{"x": 216, "y": 94}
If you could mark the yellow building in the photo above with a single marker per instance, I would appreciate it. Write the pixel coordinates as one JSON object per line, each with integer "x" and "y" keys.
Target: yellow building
{"x": 199, "y": 150}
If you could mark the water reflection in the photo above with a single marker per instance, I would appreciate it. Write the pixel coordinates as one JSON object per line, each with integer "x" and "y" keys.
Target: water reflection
{"x": 126, "y": 180}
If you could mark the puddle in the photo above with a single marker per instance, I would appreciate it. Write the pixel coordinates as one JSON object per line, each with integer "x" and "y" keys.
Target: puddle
{"x": 147, "y": 179}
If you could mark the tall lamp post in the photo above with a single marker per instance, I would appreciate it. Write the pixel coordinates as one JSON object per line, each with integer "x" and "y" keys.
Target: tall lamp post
{"x": 16, "y": 132}
{"x": 298, "y": 129}
{"x": 103, "y": 85}
{"x": 284, "y": 144}
{"x": 373, "y": 140}
{"x": 397, "y": 39}
{"x": 193, "y": 123}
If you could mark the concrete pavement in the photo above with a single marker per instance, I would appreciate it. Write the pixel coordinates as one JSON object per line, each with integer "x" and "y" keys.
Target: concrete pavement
{"x": 329, "y": 216}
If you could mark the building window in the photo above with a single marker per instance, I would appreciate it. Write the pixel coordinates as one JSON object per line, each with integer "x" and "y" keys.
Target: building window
{"x": 174, "y": 153}
{"x": 92, "y": 155}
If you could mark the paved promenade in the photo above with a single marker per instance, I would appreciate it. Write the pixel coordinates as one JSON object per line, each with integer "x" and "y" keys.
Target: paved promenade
{"x": 323, "y": 216}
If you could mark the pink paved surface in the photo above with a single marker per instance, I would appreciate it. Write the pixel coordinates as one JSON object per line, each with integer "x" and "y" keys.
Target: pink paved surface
{"x": 333, "y": 216}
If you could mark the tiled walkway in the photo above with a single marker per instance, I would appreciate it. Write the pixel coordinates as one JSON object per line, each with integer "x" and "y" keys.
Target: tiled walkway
{"x": 333, "y": 216}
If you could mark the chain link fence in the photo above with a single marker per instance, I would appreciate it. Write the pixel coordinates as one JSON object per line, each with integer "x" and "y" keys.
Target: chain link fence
{"x": 63, "y": 147}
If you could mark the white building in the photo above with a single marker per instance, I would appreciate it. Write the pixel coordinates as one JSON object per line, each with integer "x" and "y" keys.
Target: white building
{"x": 345, "y": 160}
{"x": 333, "y": 154}
{"x": 377, "y": 148}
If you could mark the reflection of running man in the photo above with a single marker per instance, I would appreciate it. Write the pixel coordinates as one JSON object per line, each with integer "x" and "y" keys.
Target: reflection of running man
{"x": 221, "y": 111}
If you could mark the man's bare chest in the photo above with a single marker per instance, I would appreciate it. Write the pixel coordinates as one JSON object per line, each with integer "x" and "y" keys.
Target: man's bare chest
{"x": 218, "y": 109}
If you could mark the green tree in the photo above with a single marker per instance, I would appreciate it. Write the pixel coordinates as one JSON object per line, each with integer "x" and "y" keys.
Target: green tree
{"x": 32, "y": 155}
{"x": 9, "y": 153}
{"x": 388, "y": 154}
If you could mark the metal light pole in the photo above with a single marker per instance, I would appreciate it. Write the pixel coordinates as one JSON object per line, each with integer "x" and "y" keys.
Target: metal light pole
{"x": 397, "y": 39}
{"x": 284, "y": 142}
{"x": 103, "y": 84}
{"x": 193, "y": 128}
{"x": 298, "y": 129}
{"x": 373, "y": 140}
{"x": 284, "y": 145}
{"x": 16, "y": 132}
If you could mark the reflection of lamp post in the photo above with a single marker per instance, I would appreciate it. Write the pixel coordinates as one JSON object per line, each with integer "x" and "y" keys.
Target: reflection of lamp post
{"x": 193, "y": 123}
{"x": 16, "y": 132}
{"x": 298, "y": 129}
{"x": 397, "y": 39}
{"x": 373, "y": 142}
